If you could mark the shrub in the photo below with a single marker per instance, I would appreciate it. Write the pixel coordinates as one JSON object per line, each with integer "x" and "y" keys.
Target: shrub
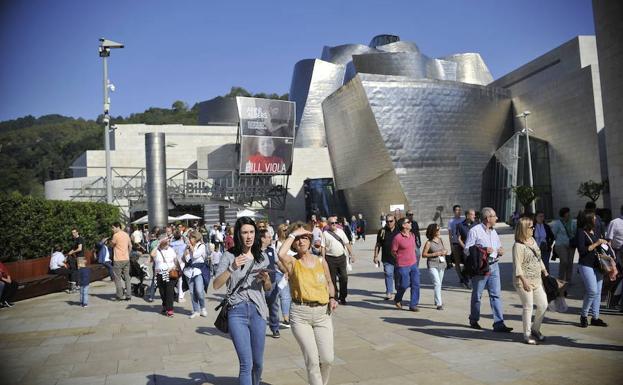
{"x": 32, "y": 225}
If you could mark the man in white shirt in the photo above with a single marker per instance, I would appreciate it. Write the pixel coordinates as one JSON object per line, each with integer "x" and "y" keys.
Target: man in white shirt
{"x": 615, "y": 235}
{"x": 485, "y": 236}
{"x": 57, "y": 263}
{"x": 334, "y": 247}
{"x": 137, "y": 236}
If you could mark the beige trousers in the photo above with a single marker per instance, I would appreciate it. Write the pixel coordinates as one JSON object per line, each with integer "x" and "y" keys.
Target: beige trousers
{"x": 528, "y": 300}
{"x": 313, "y": 329}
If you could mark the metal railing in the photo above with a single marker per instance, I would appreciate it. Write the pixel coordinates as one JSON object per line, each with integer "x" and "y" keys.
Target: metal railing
{"x": 191, "y": 186}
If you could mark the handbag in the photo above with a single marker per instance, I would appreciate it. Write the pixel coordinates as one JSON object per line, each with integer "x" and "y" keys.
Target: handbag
{"x": 221, "y": 321}
{"x": 174, "y": 273}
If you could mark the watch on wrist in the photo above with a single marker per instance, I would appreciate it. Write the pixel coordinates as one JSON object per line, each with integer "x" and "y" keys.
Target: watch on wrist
{"x": 230, "y": 269}
{"x": 292, "y": 236}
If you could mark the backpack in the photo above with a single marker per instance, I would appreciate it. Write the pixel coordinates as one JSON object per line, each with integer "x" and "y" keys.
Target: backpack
{"x": 476, "y": 262}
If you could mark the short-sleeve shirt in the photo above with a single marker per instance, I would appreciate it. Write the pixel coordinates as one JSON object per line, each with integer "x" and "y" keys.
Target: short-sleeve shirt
{"x": 252, "y": 290}
{"x": 121, "y": 240}
{"x": 75, "y": 242}
{"x": 332, "y": 246}
{"x": 404, "y": 248}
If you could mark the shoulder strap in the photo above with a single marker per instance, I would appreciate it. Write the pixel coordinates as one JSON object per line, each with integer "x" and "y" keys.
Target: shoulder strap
{"x": 239, "y": 284}
{"x": 334, "y": 235}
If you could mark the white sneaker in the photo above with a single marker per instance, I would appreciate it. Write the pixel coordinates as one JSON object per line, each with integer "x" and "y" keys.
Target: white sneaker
{"x": 195, "y": 314}
{"x": 204, "y": 312}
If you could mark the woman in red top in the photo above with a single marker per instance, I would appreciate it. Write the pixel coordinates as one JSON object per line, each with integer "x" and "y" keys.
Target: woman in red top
{"x": 406, "y": 272}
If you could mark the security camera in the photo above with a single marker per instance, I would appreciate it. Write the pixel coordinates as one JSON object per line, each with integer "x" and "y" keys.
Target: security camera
{"x": 105, "y": 43}
{"x": 111, "y": 87}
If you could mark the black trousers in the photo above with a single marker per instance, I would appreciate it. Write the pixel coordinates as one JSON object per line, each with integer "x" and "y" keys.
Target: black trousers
{"x": 9, "y": 291}
{"x": 337, "y": 269}
{"x": 167, "y": 292}
{"x": 62, "y": 271}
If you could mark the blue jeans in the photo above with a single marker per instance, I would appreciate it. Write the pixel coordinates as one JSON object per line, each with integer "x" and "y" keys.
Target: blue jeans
{"x": 408, "y": 277}
{"x": 388, "y": 270}
{"x": 197, "y": 295}
{"x": 248, "y": 332}
{"x": 492, "y": 284}
{"x": 273, "y": 300}
{"x": 593, "y": 281}
{"x": 84, "y": 295}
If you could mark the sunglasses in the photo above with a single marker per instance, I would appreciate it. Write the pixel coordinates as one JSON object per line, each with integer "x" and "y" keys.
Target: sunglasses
{"x": 390, "y": 221}
{"x": 333, "y": 223}
{"x": 306, "y": 236}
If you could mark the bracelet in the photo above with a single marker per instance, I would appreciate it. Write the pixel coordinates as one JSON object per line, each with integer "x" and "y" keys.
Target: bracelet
{"x": 292, "y": 236}
{"x": 230, "y": 269}
{"x": 331, "y": 298}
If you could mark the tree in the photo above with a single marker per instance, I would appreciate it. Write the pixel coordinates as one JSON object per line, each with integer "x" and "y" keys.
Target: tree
{"x": 591, "y": 189}
{"x": 525, "y": 195}
{"x": 179, "y": 106}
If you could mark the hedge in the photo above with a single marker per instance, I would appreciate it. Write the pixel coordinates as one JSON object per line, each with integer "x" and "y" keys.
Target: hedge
{"x": 32, "y": 226}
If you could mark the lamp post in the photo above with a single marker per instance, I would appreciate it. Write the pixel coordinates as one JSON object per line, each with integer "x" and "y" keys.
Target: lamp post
{"x": 104, "y": 52}
{"x": 526, "y": 130}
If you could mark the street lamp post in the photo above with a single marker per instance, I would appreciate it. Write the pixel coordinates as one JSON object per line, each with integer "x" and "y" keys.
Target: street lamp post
{"x": 527, "y": 132}
{"x": 104, "y": 52}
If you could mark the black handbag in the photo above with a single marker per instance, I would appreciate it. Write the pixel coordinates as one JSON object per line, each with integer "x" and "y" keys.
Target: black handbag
{"x": 221, "y": 322}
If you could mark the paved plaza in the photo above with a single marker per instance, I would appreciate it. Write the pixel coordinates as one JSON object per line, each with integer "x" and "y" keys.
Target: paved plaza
{"x": 52, "y": 340}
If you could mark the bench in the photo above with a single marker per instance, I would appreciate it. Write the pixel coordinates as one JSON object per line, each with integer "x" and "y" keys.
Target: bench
{"x": 34, "y": 280}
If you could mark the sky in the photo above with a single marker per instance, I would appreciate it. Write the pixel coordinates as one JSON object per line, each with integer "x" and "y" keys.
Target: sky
{"x": 194, "y": 50}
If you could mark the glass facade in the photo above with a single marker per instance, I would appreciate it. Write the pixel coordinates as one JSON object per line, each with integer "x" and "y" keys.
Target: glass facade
{"x": 509, "y": 167}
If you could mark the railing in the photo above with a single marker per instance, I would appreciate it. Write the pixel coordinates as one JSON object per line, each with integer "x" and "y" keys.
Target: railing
{"x": 191, "y": 186}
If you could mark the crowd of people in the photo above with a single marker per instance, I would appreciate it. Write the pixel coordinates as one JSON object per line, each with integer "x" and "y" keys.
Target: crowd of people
{"x": 301, "y": 271}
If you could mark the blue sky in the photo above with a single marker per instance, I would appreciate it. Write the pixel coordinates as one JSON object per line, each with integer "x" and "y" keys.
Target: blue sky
{"x": 195, "y": 50}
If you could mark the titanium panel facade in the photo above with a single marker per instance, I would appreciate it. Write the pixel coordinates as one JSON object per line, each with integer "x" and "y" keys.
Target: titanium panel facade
{"x": 312, "y": 81}
{"x": 426, "y": 143}
{"x": 342, "y": 54}
{"x": 470, "y": 68}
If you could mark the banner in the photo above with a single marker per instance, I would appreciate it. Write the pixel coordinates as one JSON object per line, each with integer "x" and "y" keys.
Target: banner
{"x": 266, "y": 135}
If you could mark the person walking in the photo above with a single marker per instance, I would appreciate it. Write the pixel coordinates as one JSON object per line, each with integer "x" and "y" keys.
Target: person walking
{"x": 484, "y": 236}
{"x": 407, "y": 273}
{"x": 197, "y": 273}
{"x": 313, "y": 301}
{"x": 463, "y": 230}
{"x": 248, "y": 309}
{"x": 435, "y": 253}
{"x": 336, "y": 249}
{"x": 455, "y": 241}
{"x": 415, "y": 230}
{"x": 528, "y": 266}
{"x": 122, "y": 246}
{"x": 361, "y": 227}
{"x": 564, "y": 229}
{"x": 273, "y": 294}
{"x": 165, "y": 261}
{"x": 589, "y": 241}
{"x": 384, "y": 240}
{"x": 544, "y": 237}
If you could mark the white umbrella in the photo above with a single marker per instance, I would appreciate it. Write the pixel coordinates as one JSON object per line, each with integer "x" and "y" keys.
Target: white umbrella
{"x": 187, "y": 217}
{"x": 145, "y": 219}
{"x": 247, "y": 213}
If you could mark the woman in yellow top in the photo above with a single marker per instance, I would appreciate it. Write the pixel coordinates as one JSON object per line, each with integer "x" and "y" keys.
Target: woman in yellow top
{"x": 528, "y": 267}
{"x": 313, "y": 300}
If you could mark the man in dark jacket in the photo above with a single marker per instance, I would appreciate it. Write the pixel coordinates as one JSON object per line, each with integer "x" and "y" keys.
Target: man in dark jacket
{"x": 384, "y": 240}
{"x": 104, "y": 256}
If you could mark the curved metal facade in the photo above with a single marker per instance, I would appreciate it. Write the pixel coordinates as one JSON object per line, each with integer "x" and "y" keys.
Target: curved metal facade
{"x": 312, "y": 81}
{"x": 419, "y": 142}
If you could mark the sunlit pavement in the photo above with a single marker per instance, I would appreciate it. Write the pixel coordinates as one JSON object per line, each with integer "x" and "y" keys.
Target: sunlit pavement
{"x": 52, "y": 340}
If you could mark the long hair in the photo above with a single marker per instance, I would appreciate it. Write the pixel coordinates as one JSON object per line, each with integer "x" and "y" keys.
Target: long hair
{"x": 521, "y": 230}
{"x": 256, "y": 248}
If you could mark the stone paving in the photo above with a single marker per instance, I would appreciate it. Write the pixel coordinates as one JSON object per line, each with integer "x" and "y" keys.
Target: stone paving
{"x": 51, "y": 340}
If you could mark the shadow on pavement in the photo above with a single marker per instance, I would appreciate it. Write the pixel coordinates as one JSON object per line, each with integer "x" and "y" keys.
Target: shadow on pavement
{"x": 194, "y": 378}
{"x": 463, "y": 332}
{"x": 210, "y": 331}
